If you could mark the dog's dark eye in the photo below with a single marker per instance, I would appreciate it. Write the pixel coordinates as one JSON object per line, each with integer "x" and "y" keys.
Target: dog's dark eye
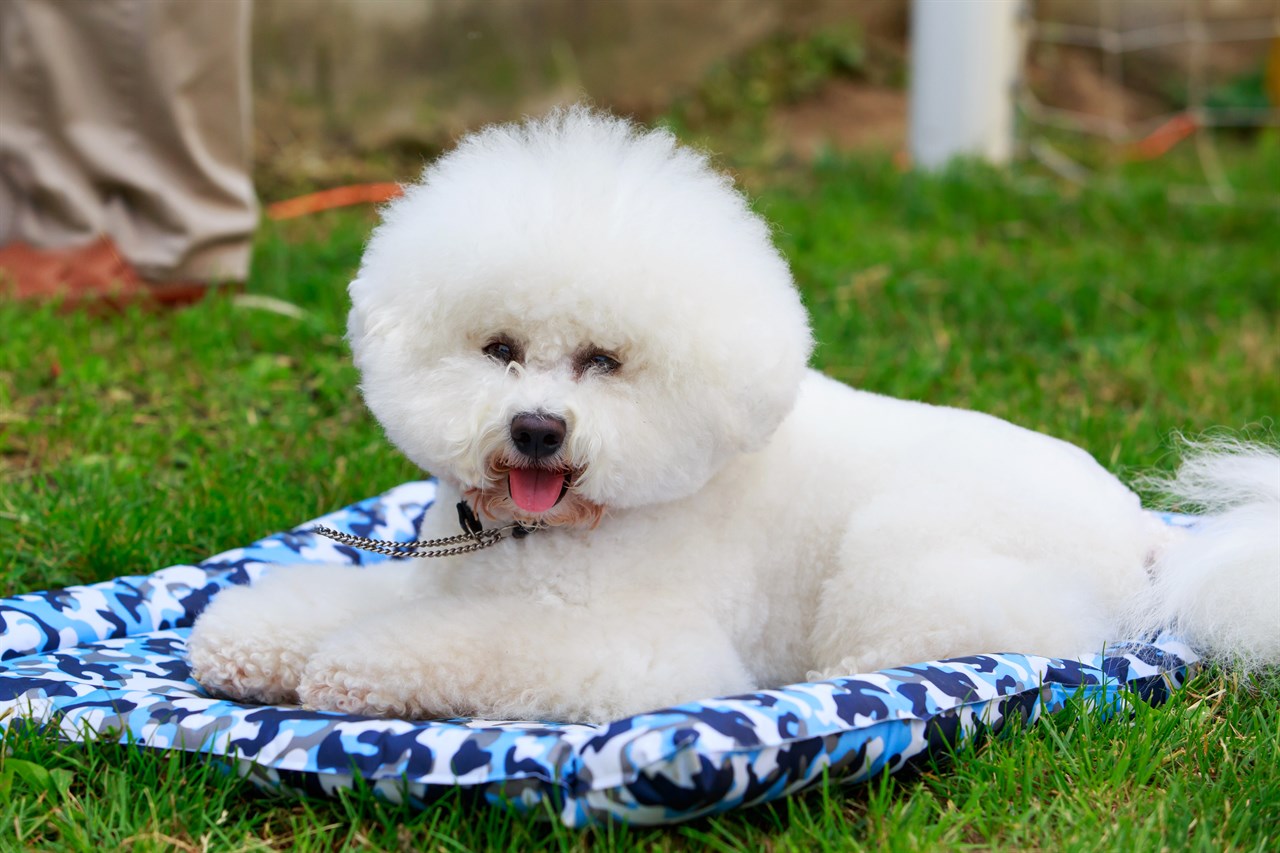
{"x": 605, "y": 363}
{"x": 596, "y": 361}
{"x": 500, "y": 351}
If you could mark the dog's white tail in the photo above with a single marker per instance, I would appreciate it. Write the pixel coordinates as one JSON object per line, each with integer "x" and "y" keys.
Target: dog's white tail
{"x": 1219, "y": 585}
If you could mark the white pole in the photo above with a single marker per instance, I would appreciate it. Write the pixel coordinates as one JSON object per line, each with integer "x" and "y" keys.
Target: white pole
{"x": 965, "y": 59}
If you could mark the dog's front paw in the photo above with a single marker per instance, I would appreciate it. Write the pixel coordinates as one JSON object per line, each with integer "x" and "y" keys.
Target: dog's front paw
{"x": 356, "y": 684}
{"x": 249, "y": 669}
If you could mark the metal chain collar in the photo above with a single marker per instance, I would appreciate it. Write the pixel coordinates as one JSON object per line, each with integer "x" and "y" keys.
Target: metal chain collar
{"x": 473, "y": 538}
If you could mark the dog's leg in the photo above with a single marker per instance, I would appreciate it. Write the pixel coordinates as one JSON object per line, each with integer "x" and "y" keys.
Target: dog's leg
{"x": 906, "y": 593}
{"x": 253, "y": 641}
{"x": 947, "y": 604}
{"x": 516, "y": 659}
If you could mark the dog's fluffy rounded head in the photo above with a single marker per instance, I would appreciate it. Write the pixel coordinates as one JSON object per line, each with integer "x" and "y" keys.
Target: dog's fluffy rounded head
{"x": 576, "y": 268}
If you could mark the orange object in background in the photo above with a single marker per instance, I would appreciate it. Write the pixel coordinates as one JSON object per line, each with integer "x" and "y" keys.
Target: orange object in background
{"x": 1178, "y": 128}
{"x": 333, "y": 198}
{"x": 1165, "y": 137}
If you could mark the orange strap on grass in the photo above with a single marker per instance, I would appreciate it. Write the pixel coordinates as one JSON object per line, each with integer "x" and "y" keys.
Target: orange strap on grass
{"x": 1178, "y": 128}
{"x": 1164, "y": 137}
{"x": 336, "y": 197}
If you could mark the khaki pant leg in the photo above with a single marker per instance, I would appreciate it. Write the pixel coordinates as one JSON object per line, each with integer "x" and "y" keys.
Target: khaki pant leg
{"x": 47, "y": 195}
{"x": 147, "y": 104}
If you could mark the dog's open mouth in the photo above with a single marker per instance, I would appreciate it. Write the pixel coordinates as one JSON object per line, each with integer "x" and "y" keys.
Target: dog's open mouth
{"x": 533, "y": 495}
{"x": 537, "y": 489}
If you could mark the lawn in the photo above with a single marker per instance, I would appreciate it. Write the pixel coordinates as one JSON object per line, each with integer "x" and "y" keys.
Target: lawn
{"x": 1104, "y": 315}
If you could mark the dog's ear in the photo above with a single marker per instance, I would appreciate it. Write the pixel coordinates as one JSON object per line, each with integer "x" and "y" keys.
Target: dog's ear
{"x": 375, "y": 315}
{"x": 750, "y": 339}
{"x": 773, "y": 346}
{"x": 357, "y": 320}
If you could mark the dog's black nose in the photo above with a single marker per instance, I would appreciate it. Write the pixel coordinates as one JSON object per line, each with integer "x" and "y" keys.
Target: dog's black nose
{"x": 537, "y": 436}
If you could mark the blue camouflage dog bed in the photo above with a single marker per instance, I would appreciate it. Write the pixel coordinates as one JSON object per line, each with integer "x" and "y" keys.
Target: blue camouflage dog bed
{"x": 107, "y": 660}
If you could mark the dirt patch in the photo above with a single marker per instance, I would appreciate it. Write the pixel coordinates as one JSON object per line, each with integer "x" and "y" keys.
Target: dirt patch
{"x": 844, "y": 115}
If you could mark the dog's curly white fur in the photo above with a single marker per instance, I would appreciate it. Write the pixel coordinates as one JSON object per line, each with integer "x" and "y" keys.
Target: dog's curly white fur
{"x": 719, "y": 518}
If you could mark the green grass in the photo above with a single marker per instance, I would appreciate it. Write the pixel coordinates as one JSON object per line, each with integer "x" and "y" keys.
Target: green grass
{"x": 1104, "y": 316}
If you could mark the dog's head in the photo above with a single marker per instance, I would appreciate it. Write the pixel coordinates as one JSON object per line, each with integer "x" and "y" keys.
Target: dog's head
{"x": 571, "y": 315}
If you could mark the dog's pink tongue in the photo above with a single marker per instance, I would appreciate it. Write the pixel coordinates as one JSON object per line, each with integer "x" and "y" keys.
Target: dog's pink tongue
{"x": 535, "y": 490}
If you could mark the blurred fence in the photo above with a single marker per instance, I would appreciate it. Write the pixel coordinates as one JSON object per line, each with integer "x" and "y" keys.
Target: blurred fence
{"x": 343, "y": 85}
{"x": 1153, "y": 75}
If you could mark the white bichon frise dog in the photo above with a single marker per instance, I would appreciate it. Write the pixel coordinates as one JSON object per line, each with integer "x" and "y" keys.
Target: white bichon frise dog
{"x": 582, "y": 327}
